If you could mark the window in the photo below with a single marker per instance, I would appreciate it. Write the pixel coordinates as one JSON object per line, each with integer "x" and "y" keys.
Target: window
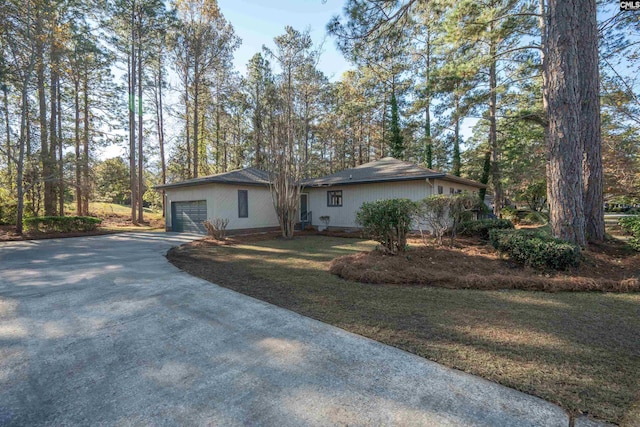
{"x": 458, "y": 191}
{"x": 243, "y": 204}
{"x": 440, "y": 189}
{"x": 452, "y": 190}
{"x": 334, "y": 198}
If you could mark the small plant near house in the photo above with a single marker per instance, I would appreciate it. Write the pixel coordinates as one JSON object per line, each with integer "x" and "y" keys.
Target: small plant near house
{"x": 217, "y": 228}
{"x": 388, "y": 222}
{"x": 325, "y": 219}
{"x": 445, "y": 213}
{"x": 433, "y": 213}
{"x": 482, "y": 227}
{"x": 631, "y": 225}
{"x": 536, "y": 249}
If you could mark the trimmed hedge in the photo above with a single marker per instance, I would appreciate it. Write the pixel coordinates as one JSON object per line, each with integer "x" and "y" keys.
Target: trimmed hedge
{"x": 62, "y": 224}
{"x": 631, "y": 225}
{"x": 536, "y": 249}
{"x": 482, "y": 227}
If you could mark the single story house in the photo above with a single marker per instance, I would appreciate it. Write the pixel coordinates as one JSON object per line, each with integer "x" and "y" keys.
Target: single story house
{"x": 243, "y": 196}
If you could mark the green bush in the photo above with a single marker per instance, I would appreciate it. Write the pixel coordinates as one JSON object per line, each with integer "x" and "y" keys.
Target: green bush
{"x": 8, "y": 207}
{"x": 631, "y": 225}
{"x": 509, "y": 213}
{"x": 387, "y": 222}
{"x": 533, "y": 218}
{"x": 536, "y": 249}
{"x": 482, "y": 227}
{"x": 62, "y": 224}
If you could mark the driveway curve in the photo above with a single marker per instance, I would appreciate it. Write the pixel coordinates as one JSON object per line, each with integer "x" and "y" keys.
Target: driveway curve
{"x": 103, "y": 330}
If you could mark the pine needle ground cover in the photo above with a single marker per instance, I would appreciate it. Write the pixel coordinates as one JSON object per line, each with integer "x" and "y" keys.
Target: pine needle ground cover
{"x": 580, "y": 350}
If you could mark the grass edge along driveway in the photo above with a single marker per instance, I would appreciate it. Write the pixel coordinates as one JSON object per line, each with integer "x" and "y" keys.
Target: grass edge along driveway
{"x": 578, "y": 350}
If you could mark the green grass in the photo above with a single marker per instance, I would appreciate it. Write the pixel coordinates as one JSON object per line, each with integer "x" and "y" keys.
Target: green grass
{"x": 579, "y": 350}
{"x": 104, "y": 209}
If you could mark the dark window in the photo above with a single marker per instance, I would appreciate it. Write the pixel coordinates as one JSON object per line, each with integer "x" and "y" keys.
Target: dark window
{"x": 452, "y": 190}
{"x": 458, "y": 191}
{"x": 440, "y": 189}
{"x": 243, "y": 204}
{"x": 334, "y": 198}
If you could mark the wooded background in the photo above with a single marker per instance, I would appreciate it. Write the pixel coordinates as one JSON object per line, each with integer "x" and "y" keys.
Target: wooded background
{"x": 158, "y": 78}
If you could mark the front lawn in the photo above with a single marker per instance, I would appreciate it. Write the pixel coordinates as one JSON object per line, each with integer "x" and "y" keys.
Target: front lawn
{"x": 579, "y": 350}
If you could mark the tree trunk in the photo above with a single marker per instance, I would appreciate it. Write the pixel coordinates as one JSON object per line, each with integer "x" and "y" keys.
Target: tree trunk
{"x": 196, "y": 88}
{"x": 86, "y": 186}
{"x": 493, "y": 131}
{"x": 564, "y": 166}
{"x": 427, "y": 110}
{"x": 160, "y": 124}
{"x": 187, "y": 117}
{"x": 589, "y": 81}
{"x": 455, "y": 169}
{"x": 49, "y": 202}
{"x": 60, "y": 152}
{"x": 5, "y": 91}
{"x": 53, "y": 125}
{"x": 132, "y": 123}
{"x": 257, "y": 128}
{"x": 140, "y": 139}
{"x": 79, "y": 209}
{"x": 24, "y": 128}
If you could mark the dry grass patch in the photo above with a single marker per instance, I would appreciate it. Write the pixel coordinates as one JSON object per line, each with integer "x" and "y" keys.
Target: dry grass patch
{"x": 579, "y": 350}
{"x": 476, "y": 265}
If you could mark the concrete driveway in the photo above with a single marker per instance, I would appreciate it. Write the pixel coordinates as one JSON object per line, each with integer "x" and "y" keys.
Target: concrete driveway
{"x": 103, "y": 330}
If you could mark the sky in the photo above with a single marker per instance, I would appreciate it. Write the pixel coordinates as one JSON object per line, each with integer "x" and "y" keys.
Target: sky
{"x": 257, "y": 22}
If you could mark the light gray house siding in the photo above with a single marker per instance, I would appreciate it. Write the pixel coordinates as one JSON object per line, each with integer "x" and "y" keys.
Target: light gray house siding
{"x": 354, "y": 195}
{"x": 222, "y": 202}
{"x": 243, "y": 196}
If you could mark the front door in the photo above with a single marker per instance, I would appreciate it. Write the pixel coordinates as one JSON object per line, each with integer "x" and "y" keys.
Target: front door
{"x": 304, "y": 200}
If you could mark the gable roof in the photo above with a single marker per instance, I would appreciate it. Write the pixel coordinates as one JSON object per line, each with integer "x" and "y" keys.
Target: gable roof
{"x": 246, "y": 176}
{"x": 386, "y": 169}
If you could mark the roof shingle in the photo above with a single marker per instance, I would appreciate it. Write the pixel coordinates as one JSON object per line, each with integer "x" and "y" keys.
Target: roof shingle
{"x": 247, "y": 176}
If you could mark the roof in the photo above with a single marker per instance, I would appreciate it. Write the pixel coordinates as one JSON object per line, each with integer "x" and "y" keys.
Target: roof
{"x": 246, "y": 176}
{"x": 385, "y": 170}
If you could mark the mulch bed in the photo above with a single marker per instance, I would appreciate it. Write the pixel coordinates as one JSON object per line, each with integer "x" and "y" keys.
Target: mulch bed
{"x": 473, "y": 264}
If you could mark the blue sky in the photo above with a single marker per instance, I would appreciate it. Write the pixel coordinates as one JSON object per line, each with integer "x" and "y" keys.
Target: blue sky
{"x": 257, "y": 22}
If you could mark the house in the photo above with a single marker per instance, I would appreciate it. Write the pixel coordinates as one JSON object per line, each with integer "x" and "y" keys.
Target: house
{"x": 244, "y": 198}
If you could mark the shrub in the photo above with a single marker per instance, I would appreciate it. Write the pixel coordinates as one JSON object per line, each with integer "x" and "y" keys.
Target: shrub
{"x": 434, "y": 213}
{"x": 533, "y": 218}
{"x": 509, "y": 213}
{"x": 536, "y": 249}
{"x": 444, "y": 213}
{"x": 387, "y": 222}
{"x": 8, "y": 207}
{"x": 482, "y": 227}
{"x": 217, "y": 228}
{"x": 62, "y": 224}
{"x": 631, "y": 225}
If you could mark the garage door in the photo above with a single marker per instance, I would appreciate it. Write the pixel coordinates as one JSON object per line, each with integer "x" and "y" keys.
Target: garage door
{"x": 189, "y": 216}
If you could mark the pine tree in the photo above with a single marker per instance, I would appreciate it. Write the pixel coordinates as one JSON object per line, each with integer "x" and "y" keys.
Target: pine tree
{"x": 396, "y": 143}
